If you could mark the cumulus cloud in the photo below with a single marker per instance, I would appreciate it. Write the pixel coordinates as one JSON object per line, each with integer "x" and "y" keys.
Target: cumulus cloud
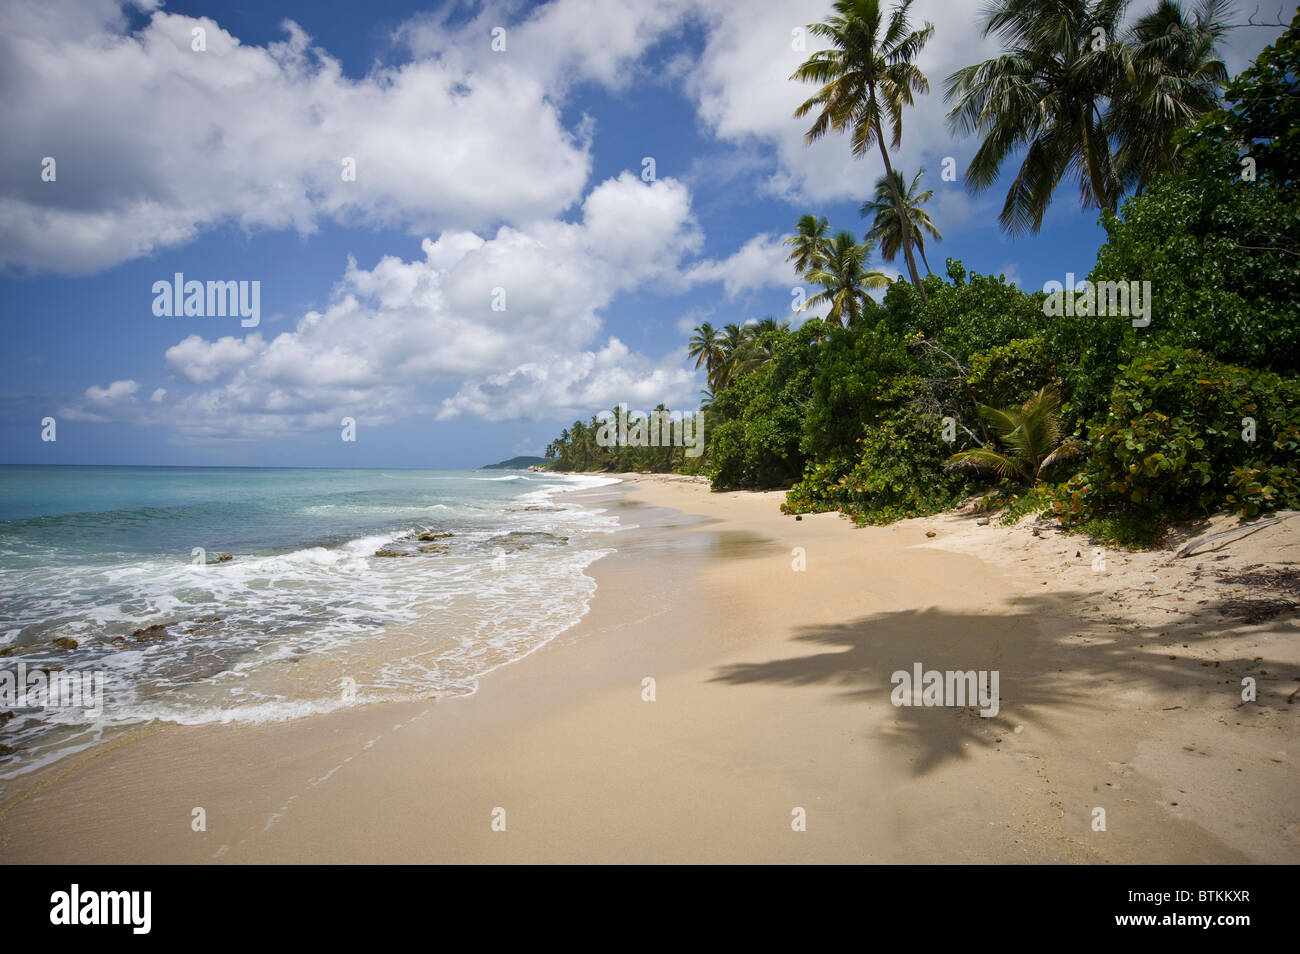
{"x": 112, "y": 394}
{"x": 462, "y": 317}
{"x": 114, "y": 401}
{"x": 155, "y": 142}
{"x": 199, "y": 361}
{"x": 759, "y": 263}
{"x": 573, "y": 384}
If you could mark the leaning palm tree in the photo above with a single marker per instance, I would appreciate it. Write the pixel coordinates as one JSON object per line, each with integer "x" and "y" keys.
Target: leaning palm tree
{"x": 809, "y": 243}
{"x": 1177, "y": 74}
{"x": 887, "y": 218}
{"x": 866, "y": 79}
{"x": 845, "y": 280}
{"x": 1045, "y": 94}
{"x": 1031, "y": 435}
{"x": 1067, "y": 86}
{"x": 706, "y": 348}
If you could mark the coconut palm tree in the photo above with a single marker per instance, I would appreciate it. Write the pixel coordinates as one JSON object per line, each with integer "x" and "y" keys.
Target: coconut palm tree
{"x": 1178, "y": 73}
{"x": 706, "y": 348}
{"x": 732, "y": 343}
{"x": 866, "y": 78}
{"x": 809, "y": 243}
{"x": 1067, "y": 86}
{"x": 1045, "y": 94}
{"x": 1031, "y": 435}
{"x": 887, "y": 220}
{"x": 763, "y": 326}
{"x": 845, "y": 279}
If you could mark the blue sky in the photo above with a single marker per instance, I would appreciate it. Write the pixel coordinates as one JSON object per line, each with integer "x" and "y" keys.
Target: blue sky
{"x": 477, "y": 169}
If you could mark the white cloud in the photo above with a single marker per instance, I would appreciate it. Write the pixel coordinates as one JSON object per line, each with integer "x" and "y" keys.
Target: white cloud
{"x": 198, "y": 361}
{"x": 557, "y": 43}
{"x": 115, "y": 392}
{"x": 759, "y": 263}
{"x": 116, "y": 400}
{"x": 574, "y": 384}
{"x": 155, "y": 142}
{"x": 401, "y": 325}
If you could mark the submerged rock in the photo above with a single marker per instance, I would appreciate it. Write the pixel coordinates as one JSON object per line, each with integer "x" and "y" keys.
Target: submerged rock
{"x": 523, "y": 539}
{"x": 156, "y": 631}
{"x": 428, "y": 535}
{"x": 64, "y": 642}
{"x": 389, "y": 552}
{"x": 224, "y": 558}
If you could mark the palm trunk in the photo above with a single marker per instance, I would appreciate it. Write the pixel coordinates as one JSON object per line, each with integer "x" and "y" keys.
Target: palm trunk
{"x": 920, "y": 247}
{"x": 905, "y": 219}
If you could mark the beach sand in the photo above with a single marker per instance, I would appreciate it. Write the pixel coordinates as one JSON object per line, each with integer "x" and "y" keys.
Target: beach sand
{"x": 1120, "y": 686}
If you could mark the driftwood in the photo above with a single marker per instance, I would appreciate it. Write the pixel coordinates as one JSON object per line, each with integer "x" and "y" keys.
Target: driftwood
{"x": 1187, "y": 548}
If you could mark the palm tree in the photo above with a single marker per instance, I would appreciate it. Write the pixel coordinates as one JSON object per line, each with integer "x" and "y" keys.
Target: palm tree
{"x": 866, "y": 79}
{"x": 1031, "y": 434}
{"x": 758, "y": 347}
{"x": 1067, "y": 84}
{"x": 844, "y": 279}
{"x": 766, "y": 325}
{"x": 1178, "y": 73}
{"x": 706, "y": 348}
{"x": 1046, "y": 93}
{"x": 732, "y": 344}
{"x": 887, "y": 220}
{"x": 810, "y": 243}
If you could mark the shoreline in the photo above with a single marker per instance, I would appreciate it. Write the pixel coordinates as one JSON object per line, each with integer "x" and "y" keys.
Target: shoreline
{"x": 772, "y": 694}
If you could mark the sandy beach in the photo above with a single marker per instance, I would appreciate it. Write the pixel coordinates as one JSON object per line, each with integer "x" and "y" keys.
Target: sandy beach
{"x": 1120, "y": 689}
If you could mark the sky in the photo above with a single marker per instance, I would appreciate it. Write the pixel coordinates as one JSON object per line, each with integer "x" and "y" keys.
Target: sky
{"x": 469, "y": 224}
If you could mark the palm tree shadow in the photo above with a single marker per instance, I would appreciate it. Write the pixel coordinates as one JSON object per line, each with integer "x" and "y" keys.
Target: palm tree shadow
{"x": 1052, "y": 667}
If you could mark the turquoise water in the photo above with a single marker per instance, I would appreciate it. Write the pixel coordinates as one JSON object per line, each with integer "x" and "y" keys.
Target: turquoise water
{"x": 328, "y": 598}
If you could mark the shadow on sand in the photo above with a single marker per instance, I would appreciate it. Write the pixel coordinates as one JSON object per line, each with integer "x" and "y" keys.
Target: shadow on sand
{"x": 1053, "y": 666}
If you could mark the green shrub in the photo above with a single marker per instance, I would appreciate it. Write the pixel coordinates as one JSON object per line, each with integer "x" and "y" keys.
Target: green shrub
{"x": 1174, "y": 442}
{"x": 899, "y": 472}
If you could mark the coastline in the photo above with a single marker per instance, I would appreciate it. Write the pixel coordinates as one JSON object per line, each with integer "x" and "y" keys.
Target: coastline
{"x": 772, "y": 693}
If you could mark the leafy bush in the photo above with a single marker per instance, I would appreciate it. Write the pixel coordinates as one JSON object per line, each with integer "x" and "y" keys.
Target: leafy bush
{"x": 899, "y": 471}
{"x": 1005, "y": 375}
{"x": 1177, "y": 441}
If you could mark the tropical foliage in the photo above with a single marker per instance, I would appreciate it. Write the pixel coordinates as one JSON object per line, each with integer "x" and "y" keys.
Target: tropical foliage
{"x": 948, "y": 386}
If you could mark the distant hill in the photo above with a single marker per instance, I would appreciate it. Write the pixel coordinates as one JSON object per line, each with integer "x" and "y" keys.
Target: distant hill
{"x": 515, "y": 463}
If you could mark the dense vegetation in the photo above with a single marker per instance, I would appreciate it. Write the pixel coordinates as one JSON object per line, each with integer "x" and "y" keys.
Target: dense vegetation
{"x": 960, "y": 384}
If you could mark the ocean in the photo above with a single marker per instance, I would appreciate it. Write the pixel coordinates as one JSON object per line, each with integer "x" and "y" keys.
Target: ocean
{"x": 340, "y": 588}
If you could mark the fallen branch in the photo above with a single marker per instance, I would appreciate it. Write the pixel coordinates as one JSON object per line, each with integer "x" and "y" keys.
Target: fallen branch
{"x": 1187, "y": 548}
